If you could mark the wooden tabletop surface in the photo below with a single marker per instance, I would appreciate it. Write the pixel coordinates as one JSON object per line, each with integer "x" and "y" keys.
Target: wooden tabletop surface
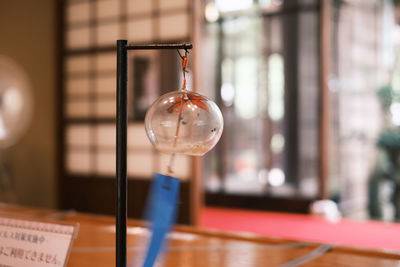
{"x": 189, "y": 246}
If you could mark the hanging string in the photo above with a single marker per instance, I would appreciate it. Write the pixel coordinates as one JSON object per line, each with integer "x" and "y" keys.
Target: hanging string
{"x": 184, "y": 63}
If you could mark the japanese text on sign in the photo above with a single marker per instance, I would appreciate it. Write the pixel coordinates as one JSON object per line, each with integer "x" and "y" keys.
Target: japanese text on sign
{"x": 34, "y": 244}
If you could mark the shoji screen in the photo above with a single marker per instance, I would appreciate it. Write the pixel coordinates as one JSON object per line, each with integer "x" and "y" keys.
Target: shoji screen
{"x": 90, "y": 30}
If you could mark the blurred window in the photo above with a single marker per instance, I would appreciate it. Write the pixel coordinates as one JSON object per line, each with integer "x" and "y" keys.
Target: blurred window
{"x": 266, "y": 78}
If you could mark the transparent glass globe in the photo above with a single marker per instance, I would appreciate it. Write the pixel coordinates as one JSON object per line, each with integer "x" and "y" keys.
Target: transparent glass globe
{"x": 184, "y": 122}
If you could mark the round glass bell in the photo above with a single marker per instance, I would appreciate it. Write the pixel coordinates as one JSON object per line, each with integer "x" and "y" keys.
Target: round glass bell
{"x": 184, "y": 122}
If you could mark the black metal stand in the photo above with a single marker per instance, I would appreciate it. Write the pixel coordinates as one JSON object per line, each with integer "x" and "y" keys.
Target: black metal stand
{"x": 122, "y": 124}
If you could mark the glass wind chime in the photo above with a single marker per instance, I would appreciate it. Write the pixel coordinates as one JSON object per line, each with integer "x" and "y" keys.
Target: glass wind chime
{"x": 183, "y": 122}
{"x": 179, "y": 122}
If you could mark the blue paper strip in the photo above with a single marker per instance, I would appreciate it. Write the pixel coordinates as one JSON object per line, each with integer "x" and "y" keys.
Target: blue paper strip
{"x": 161, "y": 210}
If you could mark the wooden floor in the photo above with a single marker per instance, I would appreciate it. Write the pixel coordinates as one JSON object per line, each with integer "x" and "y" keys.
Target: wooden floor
{"x": 188, "y": 246}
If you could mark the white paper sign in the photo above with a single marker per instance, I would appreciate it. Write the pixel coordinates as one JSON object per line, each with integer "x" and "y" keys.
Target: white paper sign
{"x": 34, "y": 244}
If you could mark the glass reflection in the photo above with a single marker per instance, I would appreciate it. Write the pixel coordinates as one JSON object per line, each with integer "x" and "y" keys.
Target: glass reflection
{"x": 276, "y": 87}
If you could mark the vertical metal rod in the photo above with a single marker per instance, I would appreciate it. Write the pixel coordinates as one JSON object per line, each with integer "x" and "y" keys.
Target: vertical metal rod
{"x": 122, "y": 122}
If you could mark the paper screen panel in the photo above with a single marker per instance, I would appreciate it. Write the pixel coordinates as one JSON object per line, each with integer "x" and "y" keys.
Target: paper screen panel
{"x": 78, "y": 37}
{"x": 78, "y": 64}
{"x": 90, "y": 83}
{"x": 139, "y": 7}
{"x": 105, "y": 163}
{"x": 106, "y": 84}
{"x": 137, "y": 137}
{"x": 140, "y": 164}
{"x": 140, "y": 30}
{"x": 172, "y": 4}
{"x": 105, "y": 108}
{"x": 105, "y": 135}
{"x": 78, "y": 12}
{"x": 106, "y": 62}
{"x": 107, "y": 9}
{"x": 77, "y": 86}
{"x": 79, "y": 135}
{"x": 78, "y": 161}
{"x": 174, "y": 26}
{"x": 182, "y": 165}
{"x": 78, "y": 108}
{"x": 107, "y": 34}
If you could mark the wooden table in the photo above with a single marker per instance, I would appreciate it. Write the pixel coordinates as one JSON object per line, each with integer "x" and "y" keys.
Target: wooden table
{"x": 189, "y": 246}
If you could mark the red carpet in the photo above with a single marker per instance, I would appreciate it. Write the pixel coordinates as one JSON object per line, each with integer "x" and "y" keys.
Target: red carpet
{"x": 371, "y": 234}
